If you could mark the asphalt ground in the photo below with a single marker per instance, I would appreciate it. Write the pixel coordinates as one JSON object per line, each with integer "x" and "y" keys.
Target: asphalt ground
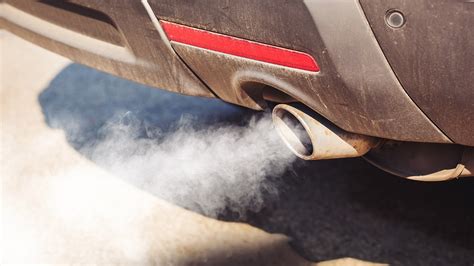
{"x": 328, "y": 209}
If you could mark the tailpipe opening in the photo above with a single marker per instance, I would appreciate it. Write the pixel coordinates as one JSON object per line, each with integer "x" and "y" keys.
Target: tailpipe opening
{"x": 312, "y": 137}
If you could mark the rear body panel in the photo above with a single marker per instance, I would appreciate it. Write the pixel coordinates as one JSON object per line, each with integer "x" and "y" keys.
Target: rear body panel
{"x": 433, "y": 56}
{"x": 355, "y": 88}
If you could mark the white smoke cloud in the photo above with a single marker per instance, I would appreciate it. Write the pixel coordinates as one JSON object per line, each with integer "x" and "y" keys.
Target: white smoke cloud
{"x": 206, "y": 169}
{"x": 199, "y": 153}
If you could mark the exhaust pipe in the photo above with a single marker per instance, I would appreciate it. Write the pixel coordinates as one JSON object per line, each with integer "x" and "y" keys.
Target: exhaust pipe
{"x": 465, "y": 168}
{"x": 312, "y": 137}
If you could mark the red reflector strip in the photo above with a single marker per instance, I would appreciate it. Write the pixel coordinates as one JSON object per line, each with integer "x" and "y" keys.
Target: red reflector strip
{"x": 239, "y": 47}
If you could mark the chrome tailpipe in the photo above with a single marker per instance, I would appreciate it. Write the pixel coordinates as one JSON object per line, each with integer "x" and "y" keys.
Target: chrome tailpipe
{"x": 312, "y": 137}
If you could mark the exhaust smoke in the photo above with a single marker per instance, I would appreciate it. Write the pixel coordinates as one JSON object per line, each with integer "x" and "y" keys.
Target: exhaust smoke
{"x": 206, "y": 169}
{"x": 199, "y": 153}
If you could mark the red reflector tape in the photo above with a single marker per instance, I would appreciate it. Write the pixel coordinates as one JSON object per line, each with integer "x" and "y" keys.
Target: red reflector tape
{"x": 239, "y": 47}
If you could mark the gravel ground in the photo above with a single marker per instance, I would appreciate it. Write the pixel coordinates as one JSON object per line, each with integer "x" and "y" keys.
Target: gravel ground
{"x": 330, "y": 209}
{"x": 349, "y": 208}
